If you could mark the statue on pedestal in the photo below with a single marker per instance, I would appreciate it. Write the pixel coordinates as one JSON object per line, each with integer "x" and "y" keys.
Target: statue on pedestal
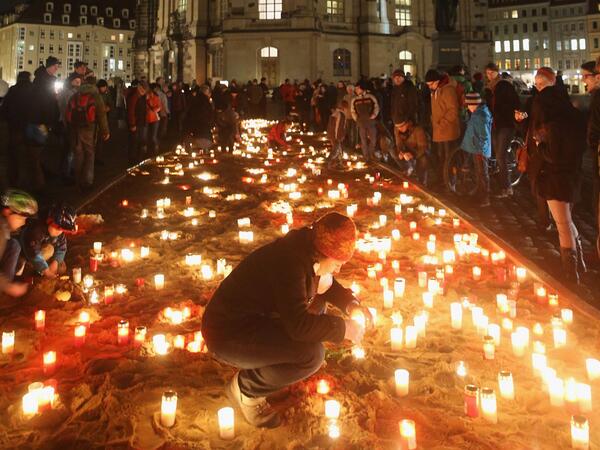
{"x": 446, "y": 15}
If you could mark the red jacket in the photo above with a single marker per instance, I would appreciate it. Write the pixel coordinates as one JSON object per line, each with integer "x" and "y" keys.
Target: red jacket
{"x": 277, "y": 134}
{"x": 288, "y": 92}
{"x": 153, "y": 107}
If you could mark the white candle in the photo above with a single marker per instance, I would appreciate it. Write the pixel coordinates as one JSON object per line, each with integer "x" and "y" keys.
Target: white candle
{"x": 456, "y": 315}
{"x": 388, "y": 298}
{"x": 401, "y": 377}
{"x": 506, "y": 385}
{"x": 580, "y": 433}
{"x": 476, "y": 273}
{"x": 560, "y": 337}
{"x": 160, "y": 344}
{"x": 411, "y": 336}
{"x": 97, "y": 247}
{"x": 399, "y": 287}
{"x": 488, "y": 405}
{"x": 408, "y": 435}
{"x": 489, "y": 348}
{"x": 76, "y": 275}
{"x": 168, "y": 409}
{"x": 556, "y": 389}
{"x": 584, "y": 397}
{"x": 428, "y": 300}
{"x": 566, "y": 316}
{"x": 226, "y": 423}
{"x": 494, "y": 331}
{"x": 332, "y": 409}
{"x": 159, "y": 281}
{"x": 520, "y": 341}
{"x": 396, "y": 339}
{"x": 30, "y": 403}
{"x": 8, "y": 342}
{"x": 538, "y": 362}
{"x": 461, "y": 369}
{"x": 593, "y": 368}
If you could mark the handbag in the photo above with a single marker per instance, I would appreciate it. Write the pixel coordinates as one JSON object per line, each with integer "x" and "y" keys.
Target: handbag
{"x": 522, "y": 155}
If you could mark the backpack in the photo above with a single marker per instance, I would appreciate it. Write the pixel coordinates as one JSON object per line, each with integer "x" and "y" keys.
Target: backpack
{"x": 81, "y": 110}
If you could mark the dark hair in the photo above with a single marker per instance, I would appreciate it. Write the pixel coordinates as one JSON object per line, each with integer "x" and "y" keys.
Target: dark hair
{"x": 23, "y": 77}
{"x": 492, "y": 66}
{"x": 101, "y": 84}
{"x": 590, "y": 66}
{"x": 478, "y": 76}
{"x": 433, "y": 75}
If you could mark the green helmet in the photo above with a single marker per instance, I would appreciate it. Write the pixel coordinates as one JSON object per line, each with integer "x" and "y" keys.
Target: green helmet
{"x": 19, "y": 202}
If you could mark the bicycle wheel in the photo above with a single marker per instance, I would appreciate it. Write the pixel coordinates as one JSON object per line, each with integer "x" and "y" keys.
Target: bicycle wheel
{"x": 460, "y": 173}
{"x": 514, "y": 176}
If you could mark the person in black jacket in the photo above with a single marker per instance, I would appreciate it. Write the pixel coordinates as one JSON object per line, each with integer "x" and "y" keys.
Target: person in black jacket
{"x": 267, "y": 317}
{"x": 14, "y": 110}
{"x": 404, "y": 104}
{"x": 201, "y": 114}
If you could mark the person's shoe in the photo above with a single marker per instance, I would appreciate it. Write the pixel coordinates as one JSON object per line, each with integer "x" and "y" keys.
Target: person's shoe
{"x": 568, "y": 257}
{"x": 256, "y": 411}
{"x": 581, "y": 267}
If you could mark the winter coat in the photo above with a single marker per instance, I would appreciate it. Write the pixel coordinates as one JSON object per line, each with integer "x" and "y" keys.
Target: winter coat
{"x": 255, "y": 94}
{"x": 277, "y": 281}
{"x": 336, "y": 128}
{"x": 504, "y": 102}
{"x": 178, "y": 101}
{"x": 277, "y": 134}
{"x": 478, "y": 135}
{"x": 288, "y": 92}
{"x": 137, "y": 109}
{"x": 364, "y": 107}
{"x": 16, "y": 105}
{"x": 201, "y": 116}
{"x": 153, "y": 106}
{"x": 164, "y": 104}
{"x": 404, "y": 103}
{"x": 34, "y": 235}
{"x": 101, "y": 121}
{"x": 44, "y": 105}
{"x": 445, "y": 112}
{"x": 414, "y": 141}
{"x": 593, "y": 133}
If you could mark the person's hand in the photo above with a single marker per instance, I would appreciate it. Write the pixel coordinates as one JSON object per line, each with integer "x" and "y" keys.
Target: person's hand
{"x": 373, "y": 117}
{"x": 407, "y": 156}
{"x": 361, "y": 315}
{"x": 106, "y": 136}
{"x": 354, "y": 331}
{"x": 16, "y": 289}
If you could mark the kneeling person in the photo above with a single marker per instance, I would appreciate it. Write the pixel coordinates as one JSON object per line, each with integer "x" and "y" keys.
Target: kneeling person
{"x": 44, "y": 242}
{"x": 412, "y": 147}
{"x": 267, "y": 317}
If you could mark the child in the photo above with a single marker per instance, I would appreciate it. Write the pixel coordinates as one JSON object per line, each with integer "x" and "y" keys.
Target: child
{"x": 15, "y": 207}
{"x": 44, "y": 242}
{"x": 277, "y": 135}
{"x": 478, "y": 141}
{"x": 336, "y": 131}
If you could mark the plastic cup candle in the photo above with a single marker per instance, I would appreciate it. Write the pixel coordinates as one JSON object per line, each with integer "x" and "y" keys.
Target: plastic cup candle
{"x": 567, "y": 316}
{"x": 84, "y": 318}
{"x": 358, "y": 352}
{"x": 461, "y": 369}
{"x": 580, "y": 433}
{"x": 79, "y": 333}
{"x": 30, "y": 404}
{"x": 539, "y": 362}
{"x": 179, "y": 342}
{"x": 506, "y": 385}
{"x": 489, "y": 348}
{"x": 76, "y": 275}
{"x": 556, "y": 389}
{"x": 401, "y": 377}
{"x": 144, "y": 251}
{"x": 489, "y": 409}
{"x": 323, "y": 387}
{"x": 476, "y": 273}
{"x": 159, "y": 281}
{"x": 160, "y": 344}
{"x": 40, "y": 320}
{"x": 49, "y": 362}
{"x": 584, "y": 397}
{"x": 396, "y": 234}
{"x": 45, "y": 398}
{"x": 140, "y": 335}
{"x": 123, "y": 332}
{"x": 168, "y": 409}
{"x": 8, "y": 342}
{"x": 412, "y": 226}
{"x": 520, "y": 341}
{"x": 592, "y": 367}
{"x": 226, "y": 423}
{"x": 456, "y": 315}
{"x": 388, "y": 298}
{"x": 332, "y": 409}
{"x": 408, "y": 435}
{"x": 333, "y": 430}
{"x": 471, "y": 400}
{"x": 560, "y": 337}
{"x": 399, "y": 287}
{"x": 411, "y": 336}
{"x": 396, "y": 339}
{"x": 428, "y": 300}
{"x": 97, "y": 247}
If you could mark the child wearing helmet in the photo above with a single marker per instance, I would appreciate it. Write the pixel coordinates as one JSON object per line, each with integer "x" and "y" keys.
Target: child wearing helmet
{"x": 15, "y": 207}
{"x": 44, "y": 240}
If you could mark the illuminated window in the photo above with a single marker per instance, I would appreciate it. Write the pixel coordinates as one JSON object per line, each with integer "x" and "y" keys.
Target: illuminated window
{"x": 573, "y": 44}
{"x": 582, "y": 44}
{"x": 517, "y": 64}
{"x": 527, "y": 63}
{"x": 335, "y": 10}
{"x": 537, "y": 63}
{"x": 497, "y": 46}
{"x": 182, "y": 6}
{"x": 507, "y": 46}
{"x": 268, "y": 52}
{"x": 342, "y": 63}
{"x": 507, "y": 64}
{"x": 269, "y": 9}
{"x": 402, "y": 13}
{"x": 514, "y": 14}
{"x": 547, "y": 62}
{"x": 516, "y": 45}
{"x": 525, "y": 45}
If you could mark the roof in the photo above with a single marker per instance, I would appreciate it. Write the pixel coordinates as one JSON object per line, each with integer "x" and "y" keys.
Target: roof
{"x": 37, "y": 9}
{"x": 9, "y": 5}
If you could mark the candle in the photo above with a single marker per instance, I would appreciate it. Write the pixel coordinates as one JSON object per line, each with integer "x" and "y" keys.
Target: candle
{"x": 456, "y": 315}
{"x": 494, "y": 331}
{"x": 428, "y": 300}
{"x": 40, "y": 319}
{"x": 179, "y": 342}
{"x": 49, "y": 362}
{"x": 553, "y": 300}
{"x": 412, "y": 226}
{"x": 97, "y": 247}
{"x": 422, "y": 279}
{"x": 358, "y": 352}
{"x": 476, "y": 273}
{"x": 388, "y": 298}
{"x": 323, "y": 387}
{"x": 411, "y": 336}
{"x": 160, "y": 344}
{"x": 408, "y": 435}
{"x": 520, "y": 341}
{"x": 159, "y": 281}
{"x": 539, "y": 362}
{"x": 144, "y": 251}
{"x": 332, "y": 409}
{"x": 126, "y": 255}
{"x": 489, "y": 409}
{"x": 593, "y": 368}
{"x": 168, "y": 409}
{"x": 226, "y": 423}
{"x": 580, "y": 433}
{"x": 94, "y": 260}
{"x": 30, "y": 404}
{"x": 506, "y": 385}
{"x": 399, "y": 287}
{"x": 461, "y": 369}
{"x": 401, "y": 377}
{"x": 88, "y": 281}
{"x": 333, "y": 430}
{"x": 76, "y": 275}
{"x": 420, "y": 322}
{"x": 45, "y": 398}
{"x": 489, "y": 348}
{"x": 139, "y": 336}
{"x": 556, "y": 389}
{"x": 566, "y": 316}
{"x": 123, "y": 332}
{"x": 471, "y": 400}
{"x": 8, "y": 342}
{"x": 396, "y": 339}
{"x": 84, "y": 318}
{"x": 79, "y": 332}
{"x": 584, "y": 397}
{"x": 246, "y": 237}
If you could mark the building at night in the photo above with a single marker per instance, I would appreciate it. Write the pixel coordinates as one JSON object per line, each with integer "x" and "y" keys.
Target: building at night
{"x": 297, "y": 39}
{"x": 99, "y": 32}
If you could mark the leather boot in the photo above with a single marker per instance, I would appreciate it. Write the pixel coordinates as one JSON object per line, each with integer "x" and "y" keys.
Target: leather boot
{"x": 581, "y": 267}
{"x": 568, "y": 258}
{"x": 256, "y": 411}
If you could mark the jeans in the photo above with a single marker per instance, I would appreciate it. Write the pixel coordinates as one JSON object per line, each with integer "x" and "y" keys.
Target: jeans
{"x": 268, "y": 358}
{"x": 567, "y": 232}
{"x": 368, "y": 136}
{"x": 482, "y": 176}
{"x": 10, "y": 258}
{"x": 153, "y": 138}
{"x": 500, "y": 139}
{"x": 84, "y": 149}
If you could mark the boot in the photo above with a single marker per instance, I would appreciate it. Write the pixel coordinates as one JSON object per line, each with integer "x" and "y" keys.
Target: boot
{"x": 581, "y": 267}
{"x": 256, "y": 411}
{"x": 568, "y": 258}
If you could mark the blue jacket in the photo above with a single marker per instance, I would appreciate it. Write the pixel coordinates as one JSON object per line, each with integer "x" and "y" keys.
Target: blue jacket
{"x": 34, "y": 236}
{"x": 478, "y": 135}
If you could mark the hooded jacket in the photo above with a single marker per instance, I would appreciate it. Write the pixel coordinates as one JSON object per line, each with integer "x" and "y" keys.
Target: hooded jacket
{"x": 478, "y": 135}
{"x": 16, "y": 105}
{"x": 364, "y": 107}
{"x": 101, "y": 121}
{"x": 278, "y": 281}
{"x": 445, "y": 112}
{"x": 44, "y": 108}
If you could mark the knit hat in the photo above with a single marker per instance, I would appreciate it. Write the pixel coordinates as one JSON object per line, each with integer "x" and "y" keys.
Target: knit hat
{"x": 432, "y": 75}
{"x": 52, "y": 61}
{"x": 547, "y": 73}
{"x": 335, "y": 236}
{"x": 473, "y": 98}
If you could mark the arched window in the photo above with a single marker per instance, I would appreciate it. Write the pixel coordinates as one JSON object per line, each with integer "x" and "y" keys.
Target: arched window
{"x": 405, "y": 55}
{"x": 268, "y": 52}
{"x": 342, "y": 64}
{"x": 407, "y": 62}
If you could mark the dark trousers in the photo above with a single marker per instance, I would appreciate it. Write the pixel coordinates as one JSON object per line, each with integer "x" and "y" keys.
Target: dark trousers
{"x": 10, "y": 258}
{"x": 482, "y": 175}
{"x": 153, "y": 129}
{"x": 36, "y": 179}
{"x": 442, "y": 152}
{"x": 268, "y": 358}
{"x": 16, "y": 145}
{"x": 500, "y": 139}
{"x": 137, "y": 144}
{"x": 84, "y": 149}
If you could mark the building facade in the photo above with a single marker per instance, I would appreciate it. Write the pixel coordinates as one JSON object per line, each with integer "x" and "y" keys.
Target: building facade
{"x": 99, "y": 32}
{"x": 529, "y": 34}
{"x": 297, "y": 39}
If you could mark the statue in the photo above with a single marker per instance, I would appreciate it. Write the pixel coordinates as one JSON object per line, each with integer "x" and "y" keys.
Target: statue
{"x": 446, "y": 15}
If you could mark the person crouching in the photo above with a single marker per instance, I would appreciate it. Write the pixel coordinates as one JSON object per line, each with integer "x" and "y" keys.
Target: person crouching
{"x": 267, "y": 318}
{"x": 277, "y": 137}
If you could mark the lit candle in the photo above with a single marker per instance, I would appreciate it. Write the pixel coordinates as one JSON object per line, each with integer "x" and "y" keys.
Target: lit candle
{"x": 123, "y": 332}
{"x": 45, "y": 398}
{"x": 323, "y": 387}
{"x": 471, "y": 400}
{"x": 556, "y": 389}
{"x": 520, "y": 341}
{"x": 506, "y": 385}
{"x": 521, "y": 273}
{"x": 489, "y": 409}
{"x": 358, "y": 352}
{"x": 159, "y": 281}
{"x": 399, "y": 287}
{"x": 160, "y": 344}
{"x": 84, "y": 318}
{"x": 412, "y": 226}
{"x": 79, "y": 332}
{"x": 49, "y": 362}
{"x": 593, "y": 368}
{"x": 30, "y": 404}
{"x": 494, "y": 331}
{"x": 539, "y": 362}
{"x": 476, "y": 273}
{"x": 428, "y": 300}
{"x": 333, "y": 430}
{"x": 461, "y": 369}
{"x": 566, "y": 316}
{"x": 580, "y": 433}
{"x": 388, "y": 298}
{"x": 40, "y": 320}
{"x": 332, "y": 409}
{"x": 144, "y": 251}
{"x": 76, "y": 275}
{"x": 179, "y": 342}
{"x": 408, "y": 435}
{"x": 422, "y": 279}
{"x": 411, "y": 336}
{"x": 456, "y": 315}
{"x": 584, "y": 397}
{"x": 401, "y": 377}
{"x": 140, "y": 335}
{"x": 168, "y": 409}
{"x": 8, "y": 342}
{"x": 489, "y": 348}
{"x": 97, "y": 247}
{"x": 396, "y": 339}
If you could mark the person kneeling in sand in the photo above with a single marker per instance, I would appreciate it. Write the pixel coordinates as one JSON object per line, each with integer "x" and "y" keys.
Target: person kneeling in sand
{"x": 267, "y": 317}
{"x": 44, "y": 240}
